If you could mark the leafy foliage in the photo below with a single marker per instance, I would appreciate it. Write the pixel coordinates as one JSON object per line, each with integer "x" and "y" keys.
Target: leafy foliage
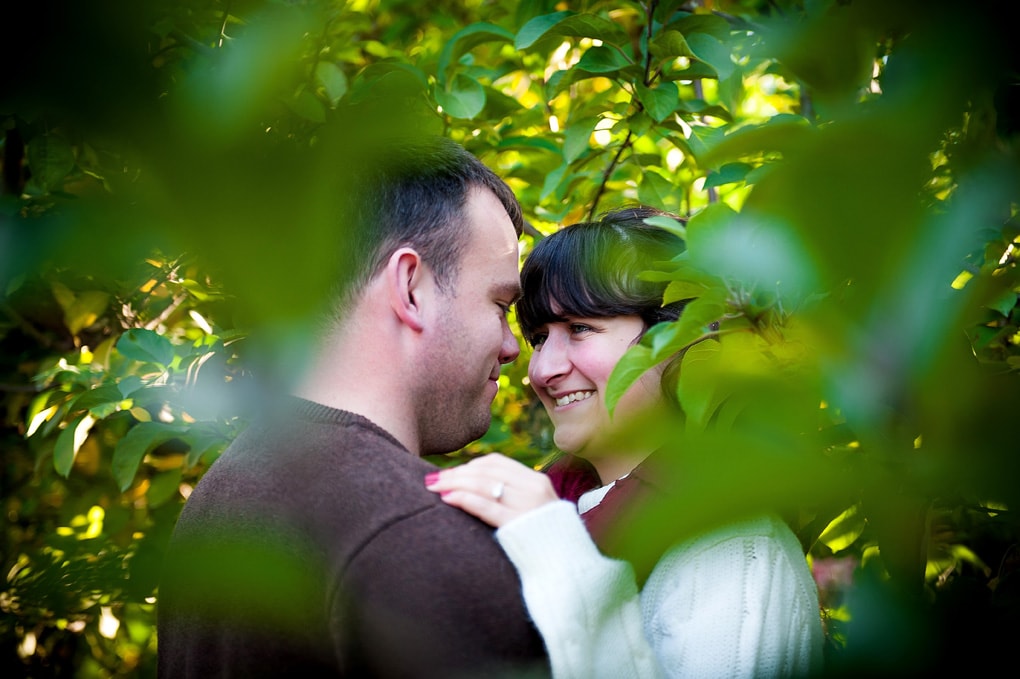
{"x": 850, "y": 176}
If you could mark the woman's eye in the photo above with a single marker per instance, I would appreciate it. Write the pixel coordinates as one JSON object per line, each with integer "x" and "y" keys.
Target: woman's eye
{"x": 538, "y": 339}
{"x": 579, "y": 328}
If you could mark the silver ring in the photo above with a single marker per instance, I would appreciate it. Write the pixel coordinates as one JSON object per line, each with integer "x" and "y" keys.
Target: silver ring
{"x": 497, "y": 491}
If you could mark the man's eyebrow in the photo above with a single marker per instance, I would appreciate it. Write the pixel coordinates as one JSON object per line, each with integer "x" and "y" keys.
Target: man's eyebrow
{"x": 510, "y": 291}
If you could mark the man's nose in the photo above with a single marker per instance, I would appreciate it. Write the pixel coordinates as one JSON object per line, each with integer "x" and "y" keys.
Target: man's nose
{"x": 510, "y": 349}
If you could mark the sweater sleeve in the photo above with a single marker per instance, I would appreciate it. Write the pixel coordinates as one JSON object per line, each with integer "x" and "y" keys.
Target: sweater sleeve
{"x": 585, "y": 604}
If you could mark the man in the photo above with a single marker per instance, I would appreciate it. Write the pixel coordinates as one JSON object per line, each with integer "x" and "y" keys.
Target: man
{"x": 311, "y": 547}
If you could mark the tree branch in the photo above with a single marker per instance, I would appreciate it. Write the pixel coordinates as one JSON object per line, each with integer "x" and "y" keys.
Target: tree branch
{"x": 607, "y": 173}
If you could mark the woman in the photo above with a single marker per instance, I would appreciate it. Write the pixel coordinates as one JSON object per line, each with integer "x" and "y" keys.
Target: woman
{"x": 735, "y": 601}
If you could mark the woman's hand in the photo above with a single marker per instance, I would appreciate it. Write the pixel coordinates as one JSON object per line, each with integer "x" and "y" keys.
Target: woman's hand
{"x": 493, "y": 488}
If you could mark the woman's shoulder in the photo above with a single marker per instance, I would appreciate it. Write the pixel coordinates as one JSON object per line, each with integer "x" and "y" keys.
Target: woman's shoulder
{"x": 730, "y": 543}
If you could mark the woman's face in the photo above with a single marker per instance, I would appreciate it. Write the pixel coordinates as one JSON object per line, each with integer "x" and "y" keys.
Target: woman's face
{"x": 569, "y": 370}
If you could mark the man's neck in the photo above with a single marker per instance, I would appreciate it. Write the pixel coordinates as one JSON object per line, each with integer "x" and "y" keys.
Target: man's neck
{"x": 360, "y": 382}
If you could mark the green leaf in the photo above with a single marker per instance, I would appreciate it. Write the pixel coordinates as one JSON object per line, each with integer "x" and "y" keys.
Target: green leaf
{"x": 576, "y": 138}
{"x": 669, "y": 224}
{"x": 100, "y": 396}
{"x": 528, "y": 142}
{"x": 844, "y": 530}
{"x": 631, "y": 366}
{"x": 202, "y": 438}
{"x": 711, "y": 24}
{"x": 143, "y": 345}
{"x": 129, "y": 385}
{"x": 162, "y": 487}
{"x": 307, "y": 105}
{"x": 602, "y": 59}
{"x": 661, "y": 101}
{"x": 780, "y": 134}
{"x": 465, "y": 98}
{"x": 466, "y": 39}
{"x": 709, "y": 306}
{"x": 698, "y": 388}
{"x": 1004, "y": 303}
{"x": 567, "y": 23}
{"x": 658, "y": 191}
{"x": 669, "y": 45}
{"x": 552, "y": 180}
{"x": 729, "y": 173}
{"x": 139, "y": 440}
{"x": 332, "y": 79}
{"x": 678, "y": 290}
{"x": 710, "y": 51}
{"x": 64, "y": 450}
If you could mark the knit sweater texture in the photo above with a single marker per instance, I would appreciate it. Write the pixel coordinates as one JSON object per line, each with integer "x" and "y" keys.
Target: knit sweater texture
{"x": 735, "y": 601}
{"x": 312, "y": 548}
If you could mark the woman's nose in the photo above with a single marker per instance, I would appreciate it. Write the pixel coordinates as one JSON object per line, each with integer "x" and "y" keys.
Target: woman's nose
{"x": 550, "y": 361}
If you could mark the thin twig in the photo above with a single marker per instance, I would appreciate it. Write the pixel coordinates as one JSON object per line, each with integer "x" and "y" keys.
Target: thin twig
{"x": 607, "y": 173}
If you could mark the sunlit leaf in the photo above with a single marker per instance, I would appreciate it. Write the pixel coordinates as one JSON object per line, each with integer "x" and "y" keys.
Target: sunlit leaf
{"x": 69, "y": 441}
{"x": 844, "y": 530}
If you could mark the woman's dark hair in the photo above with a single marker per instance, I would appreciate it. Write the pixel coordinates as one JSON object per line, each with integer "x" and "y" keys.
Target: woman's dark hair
{"x": 593, "y": 270}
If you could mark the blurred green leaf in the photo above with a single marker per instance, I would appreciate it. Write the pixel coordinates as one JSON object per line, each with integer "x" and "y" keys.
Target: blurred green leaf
{"x": 602, "y": 59}
{"x": 64, "y": 450}
{"x": 143, "y": 345}
{"x": 140, "y": 440}
{"x": 464, "y": 99}
{"x": 465, "y": 40}
{"x": 567, "y": 23}
{"x": 660, "y": 101}
{"x": 51, "y": 159}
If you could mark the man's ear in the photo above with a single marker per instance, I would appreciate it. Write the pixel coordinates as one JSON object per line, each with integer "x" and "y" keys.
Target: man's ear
{"x": 407, "y": 282}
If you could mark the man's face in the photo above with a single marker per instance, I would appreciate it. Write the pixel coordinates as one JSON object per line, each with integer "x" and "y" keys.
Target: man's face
{"x": 473, "y": 337}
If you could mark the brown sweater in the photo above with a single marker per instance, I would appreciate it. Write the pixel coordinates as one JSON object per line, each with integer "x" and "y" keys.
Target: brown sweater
{"x": 311, "y": 548}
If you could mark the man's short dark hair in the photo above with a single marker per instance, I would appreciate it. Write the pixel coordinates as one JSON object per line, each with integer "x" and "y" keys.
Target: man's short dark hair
{"x": 410, "y": 193}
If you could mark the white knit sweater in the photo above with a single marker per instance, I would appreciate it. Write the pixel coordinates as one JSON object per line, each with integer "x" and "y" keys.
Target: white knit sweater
{"x": 737, "y": 601}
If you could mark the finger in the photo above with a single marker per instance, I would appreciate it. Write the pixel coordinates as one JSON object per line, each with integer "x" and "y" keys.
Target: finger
{"x": 484, "y": 507}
